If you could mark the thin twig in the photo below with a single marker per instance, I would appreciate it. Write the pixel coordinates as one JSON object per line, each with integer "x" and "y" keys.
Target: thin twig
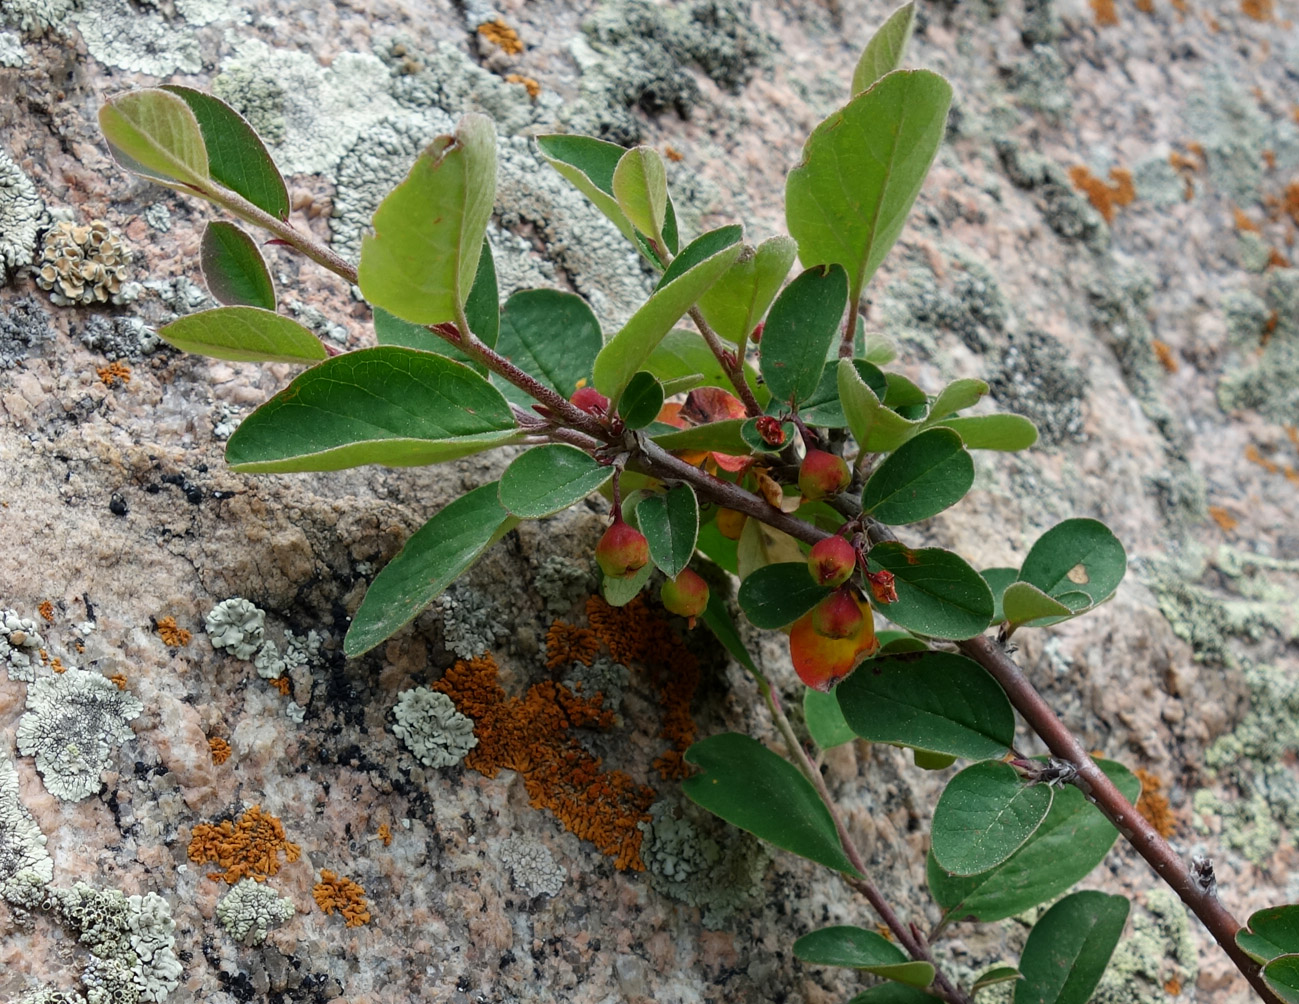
{"x": 732, "y": 363}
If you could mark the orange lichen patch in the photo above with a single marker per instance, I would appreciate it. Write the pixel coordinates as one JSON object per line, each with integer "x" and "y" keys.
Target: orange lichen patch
{"x": 247, "y": 847}
{"x": 171, "y": 635}
{"x": 120, "y": 680}
{"x": 114, "y": 374}
{"x": 884, "y": 930}
{"x": 531, "y": 86}
{"x": 1254, "y": 457}
{"x": 502, "y": 36}
{"x": 1243, "y": 223}
{"x": 567, "y": 643}
{"x": 1164, "y": 353}
{"x": 1173, "y": 987}
{"x": 1223, "y": 518}
{"x": 1181, "y": 6}
{"x": 1106, "y": 197}
{"x": 1212, "y": 24}
{"x": 1259, "y": 10}
{"x": 46, "y": 610}
{"x": 56, "y": 664}
{"x": 1276, "y": 259}
{"x": 337, "y": 892}
{"x": 1290, "y": 201}
{"x": 1146, "y": 6}
{"x": 385, "y": 834}
{"x": 1269, "y": 159}
{"x": 1182, "y": 162}
{"x": 530, "y": 735}
{"x": 672, "y": 153}
{"x": 1153, "y": 803}
{"x": 1292, "y": 434}
{"x": 1269, "y": 326}
{"x": 1105, "y": 13}
{"x": 220, "y": 750}
{"x": 283, "y": 684}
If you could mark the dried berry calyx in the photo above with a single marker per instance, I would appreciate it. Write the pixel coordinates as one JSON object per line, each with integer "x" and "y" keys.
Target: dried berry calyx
{"x": 832, "y": 561}
{"x": 770, "y": 430}
{"x": 622, "y": 551}
{"x": 686, "y": 595}
{"x": 882, "y": 587}
{"x": 822, "y": 474}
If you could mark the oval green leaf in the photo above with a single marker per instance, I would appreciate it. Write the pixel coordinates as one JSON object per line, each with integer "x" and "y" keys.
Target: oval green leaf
{"x": 640, "y": 186}
{"x": 751, "y": 787}
{"x": 1069, "y": 947}
{"x": 670, "y": 523}
{"x": 997, "y": 974}
{"x": 894, "y": 993}
{"x": 922, "y": 477}
{"x": 421, "y": 261}
{"x": 717, "y": 618}
{"x": 938, "y": 702}
{"x": 386, "y": 405}
{"x": 548, "y": 479}
{"x": 1007, "y": 433}
{"x": 849, "y": 196}
{"x": 801, "y": 326}
{"x": 939, "y": 594}
{"x": 233, "y": 267}
{"x": 999, "y": 580}
{"x": 628, "y": 350}
{"x": 244, "y": 334}
{"x": 1078, "y": 555}
{"x": 825, "y": 721}
{"x": 620, "y": 592}
{"x": 551, "y": 335}
{"x": 984, "y": 815}
{"x": 856, "y": 948}
{"x": 1072, "y": 840}
{"x": 876, "y": 428}
{"x": 684, "y": 360}
{"x": 641, "y": 401}
{"x": 236, "y": 156}
{"x": 779, "y": 594}
{"x": 1282, "y": 975}
{"x": 434, "y": 557}
{"x": 700, "y": 250}
{"x": 957, "y": 395}
{"x": 884, "y": 52}
{"x": 740, "y": 298}
{"x": 1271, "y": 932}
{"x": 155, "y": 134}
{"x": 1024, "y": 603}
{"x": 724, "y": 437}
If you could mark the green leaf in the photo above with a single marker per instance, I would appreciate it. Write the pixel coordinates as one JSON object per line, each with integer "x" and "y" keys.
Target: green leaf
{"x": 849, "y": 196}
{"x": 925, "y": 475}
{"x": 1008, "y": 433}
{"x": 422, "y": 259}
{"x": 640, "y": 186}
{"x": 684, "y": 360}
{"x": 548, "y": 479}
{"x": 998, "y": 579}
{"x": 876, "y": 428}
{"x": 893, "y": 993}
{"x": 740, "y": 298}
{"x": 670, "y": 523}
{"x": 483, "y": 307}
{"x": 825, "y": 720}
{"x": 620, "y": 592}
{"x": 1072, "y": 840}
{"x": 1271, "y": 932}
{"x": 932, "y": 761}
{"x": 984, "y": 815}
{"x": 1069, "y": 947}
{"x": 1078, "y": 555}
{"x": 244, "y": 334}
{"x": 434, "y": 557}
{"x": 236, "y": 156}
{"x": 752, "y": 788}
{"x": 722, "y": 551}
{"x": 857, "y": 948}
{"x": 902, "y": 394}
{"x": 385, "y": 405}
{"x": 628, "y": 350}
{"x": 937, "y": 702}
{"x": 550, "y": 335}
{"x": 939, "y": 594}
{"x": 801, "y": 326}
{"x": 724, "y": 437}
{"x": 1282, "y": 975}
{"x": 718, "y": 620}
{"x": 776, "y": 595}
{"x": 154, "y": 134}
{"x": 641, "y": 401}
{"x": 700, "y": 250}
{"x": 883, "y": 53}
{"x": 997, "y": 974}
{"x": 233, "y": 267}
{"x": 956, "y": 396}
{"x": 1024, "y": 603}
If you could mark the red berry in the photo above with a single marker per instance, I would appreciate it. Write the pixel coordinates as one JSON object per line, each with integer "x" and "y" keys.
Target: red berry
{"x": 832, "y": 561}
{"x": 822, "y": 474}
{"x": 730, "y": 524}
{"x": 622, "y": 551}
{"x": 686, "y": 595}
{"x": 839, "y": 615}
{"x": 591, "y": 400}
{"x": 823, "y": 659}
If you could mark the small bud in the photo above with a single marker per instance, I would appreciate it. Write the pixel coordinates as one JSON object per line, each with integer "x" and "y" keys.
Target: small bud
{"x": 686, "y": 595}
{"x": 822, "y": 474}
{"x": 730, "y": 524}
{"x": 590, "y": 400}
{"x": 832, "y": 561}
{"x": 622, "y": 551}
{"x": 822, "y": 659}
{"x": 882, "y": 587}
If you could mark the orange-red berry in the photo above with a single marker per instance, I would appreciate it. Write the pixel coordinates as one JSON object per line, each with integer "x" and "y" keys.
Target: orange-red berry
{"x": 822, "y": 474}
{"x": 686, "y": 595}
{"x": 832, "y": 561}
{"x": 622, "y": 551}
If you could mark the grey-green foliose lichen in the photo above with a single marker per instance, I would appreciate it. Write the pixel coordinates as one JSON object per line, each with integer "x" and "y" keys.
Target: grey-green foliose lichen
{"x": 432, "y": 729}
{"x": 20, "y": 645}
{"x": 251, "y": 909}
{"x": 534, "y": 868}
{"x": 237, "y": 626}
{"x": 22, "y": 217}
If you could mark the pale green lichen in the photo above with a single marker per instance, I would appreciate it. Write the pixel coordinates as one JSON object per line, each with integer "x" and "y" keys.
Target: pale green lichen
{"x": 562, "y": 584}
{"x": 51, "y": 995}
{"x": 22, "y": 217}
{"x": 1065, "y": 210}
{"x": 429, "y": 725}
{"x": 238, "y": 626}
{"x": 118, "y": 35}
{"x": 299, "y": 650}
{"x": 532, "y": 866}
{"x": 603, "y": 676}
{"x": 24, "y": 861}
{"x": 1233, "y": 132}
{"x": 250, "y": 910}
{"x": 471, "y": 623}
{"x": 20, "y": 645}
{"x": 1268, "y": 380}
{"x": 1040, "y": 81}
{"x": 1159, "y": 947}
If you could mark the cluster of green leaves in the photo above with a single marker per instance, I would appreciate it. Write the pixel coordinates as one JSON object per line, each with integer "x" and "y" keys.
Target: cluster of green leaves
{"x": 1272, "y": 940}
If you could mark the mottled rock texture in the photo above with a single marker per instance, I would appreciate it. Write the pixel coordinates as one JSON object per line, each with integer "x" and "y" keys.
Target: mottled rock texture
{"x": 1153, "y": 338}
